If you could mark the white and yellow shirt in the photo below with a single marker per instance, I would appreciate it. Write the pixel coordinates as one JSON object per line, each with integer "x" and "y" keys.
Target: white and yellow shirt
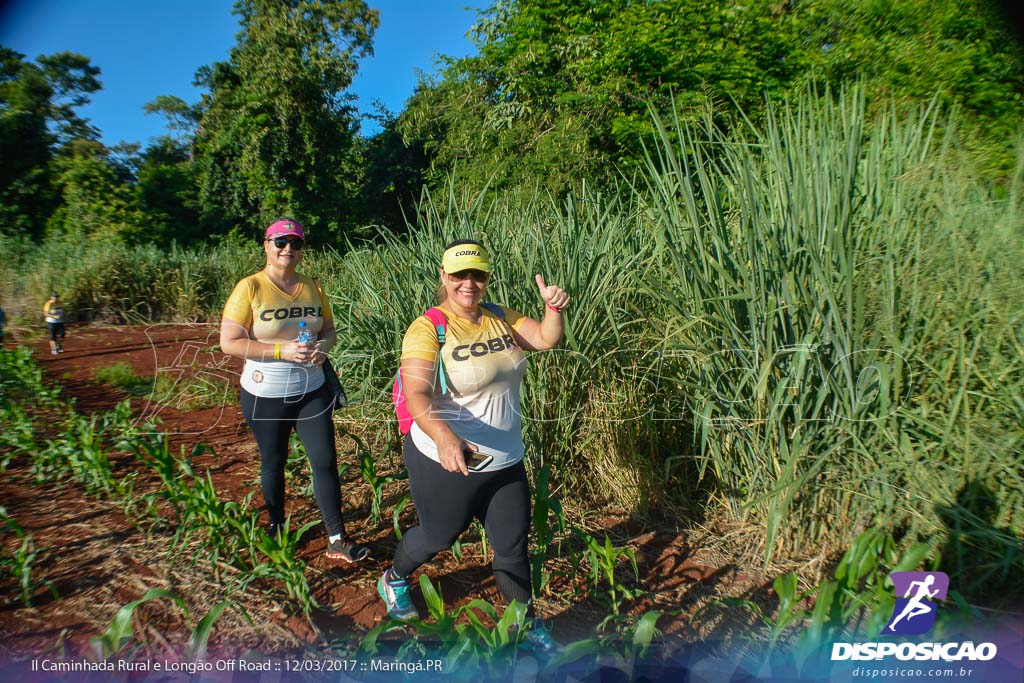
{"x": 53, "y": 312}
{"x": 485, "y": 369}
{"x": 270, "y": 315}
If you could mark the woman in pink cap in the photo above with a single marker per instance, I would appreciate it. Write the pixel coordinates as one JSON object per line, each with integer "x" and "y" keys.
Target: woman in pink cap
{"x": 283, "y": 384}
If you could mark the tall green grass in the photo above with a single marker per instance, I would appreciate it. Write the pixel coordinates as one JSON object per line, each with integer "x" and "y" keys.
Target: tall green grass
{"x": 855, "y": 315}
{"x": 108, "y": 280}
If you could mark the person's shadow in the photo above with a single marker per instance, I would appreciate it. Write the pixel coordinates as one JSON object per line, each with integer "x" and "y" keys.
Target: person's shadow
{"x": 985, "y": 563}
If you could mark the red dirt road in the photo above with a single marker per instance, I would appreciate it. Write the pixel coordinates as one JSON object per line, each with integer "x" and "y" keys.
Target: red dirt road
{"x": 97, "y": 561}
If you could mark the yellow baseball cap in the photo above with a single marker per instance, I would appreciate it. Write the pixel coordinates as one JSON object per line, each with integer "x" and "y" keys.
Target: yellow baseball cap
{"x": 466, "y": 257}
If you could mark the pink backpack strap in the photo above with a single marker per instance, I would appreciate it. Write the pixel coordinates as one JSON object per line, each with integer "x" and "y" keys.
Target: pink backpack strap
{"x": 405, "y": 420}
{"x": 437, "y": 316}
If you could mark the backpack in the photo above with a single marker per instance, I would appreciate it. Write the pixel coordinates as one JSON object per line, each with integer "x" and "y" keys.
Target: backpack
{"x": 436, "y": 316}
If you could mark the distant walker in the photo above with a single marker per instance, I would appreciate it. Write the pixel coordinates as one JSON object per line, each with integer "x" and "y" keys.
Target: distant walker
{"x": 53, "y": 312}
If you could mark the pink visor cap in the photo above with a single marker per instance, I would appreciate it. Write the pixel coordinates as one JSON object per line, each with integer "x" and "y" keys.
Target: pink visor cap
{"x": 285, "y": 228}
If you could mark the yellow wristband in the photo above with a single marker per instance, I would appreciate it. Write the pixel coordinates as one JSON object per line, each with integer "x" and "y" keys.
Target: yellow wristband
{"x": 277, "y": 352}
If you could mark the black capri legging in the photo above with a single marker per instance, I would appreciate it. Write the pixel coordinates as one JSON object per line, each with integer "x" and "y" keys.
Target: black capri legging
{"x": 56, "y": 331}
{"x": 271, "y": 421}
{"x": 446, "y": 503}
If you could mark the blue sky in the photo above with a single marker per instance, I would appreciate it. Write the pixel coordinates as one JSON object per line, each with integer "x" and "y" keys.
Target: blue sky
{"x": 146, "y": 48}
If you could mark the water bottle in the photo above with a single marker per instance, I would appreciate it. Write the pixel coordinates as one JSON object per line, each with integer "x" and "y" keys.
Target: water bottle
{"x": 305, "y": 335}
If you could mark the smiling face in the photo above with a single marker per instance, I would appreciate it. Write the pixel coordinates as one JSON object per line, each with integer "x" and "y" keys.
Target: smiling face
{"x": 286, "y": 256}
{"x": 465, "y": 288}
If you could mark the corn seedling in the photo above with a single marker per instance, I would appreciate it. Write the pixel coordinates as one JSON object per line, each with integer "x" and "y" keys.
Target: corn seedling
{"x": 120, "y": 632}
{"x": 19, "y": 561}
{"x": 482, "y": 533}
{"x": 471, "y": 649}
{"x": 397, "y": 515}
{"x": 200, "y": 636}
{"x": 81, "y": 451}
{"x": 856, "y": 602}
{"x": 18, "y": 437}
{"x": 21, "y": 380}
{"x": 545, "y": 505}
{"x": 248, "y": 531}
{"x": 457, "y": 546}
{"x": 295, "y": 467}
{"x": 604, "y": 562}
{"x": 226, "y": 527}
{"x": 203, "y": 510}
{"x": 621, "y": 650}
{"x": 282, "y": 564}
{"x": 85, "y": 451}
{"x": 376, "y": 482}
{"x": 153, "y": 450}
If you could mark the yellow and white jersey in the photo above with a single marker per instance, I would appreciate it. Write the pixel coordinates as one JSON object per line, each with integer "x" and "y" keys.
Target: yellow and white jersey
{"x": 53, "y": 312}
{"x": 270, "y": 315}
{"x": 485, "y": 369}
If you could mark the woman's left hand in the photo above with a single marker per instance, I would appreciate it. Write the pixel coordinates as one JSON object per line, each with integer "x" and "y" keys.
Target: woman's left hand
{"x": 553, "y": 295}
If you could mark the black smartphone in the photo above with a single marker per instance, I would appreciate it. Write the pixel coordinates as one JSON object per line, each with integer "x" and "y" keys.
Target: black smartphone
{"x": 476, "y": 461}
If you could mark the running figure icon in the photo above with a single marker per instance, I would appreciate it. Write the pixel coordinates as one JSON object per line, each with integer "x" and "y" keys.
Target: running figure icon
{"x": 916, "y": 605}
{"x": 917, "y": 596}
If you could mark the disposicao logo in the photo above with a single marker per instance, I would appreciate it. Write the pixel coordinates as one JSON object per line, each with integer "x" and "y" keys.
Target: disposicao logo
{"x": 914, "y": 614}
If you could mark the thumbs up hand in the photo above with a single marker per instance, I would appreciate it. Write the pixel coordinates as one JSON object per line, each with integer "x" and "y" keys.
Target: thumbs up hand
{"x": 553, "y": 295}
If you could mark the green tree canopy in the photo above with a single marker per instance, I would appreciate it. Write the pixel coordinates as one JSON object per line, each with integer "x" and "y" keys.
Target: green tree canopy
{"x": 962, "y": 50}
{"x": 97, "y": 203}
{"x": 560, "y": 89}
{"x": 182, "y": 118}
{"x": 73, "y": 80}
{"x": 167, "y": 192}
{"x": 277, "y": 131}
{"x": 38, "y": 103}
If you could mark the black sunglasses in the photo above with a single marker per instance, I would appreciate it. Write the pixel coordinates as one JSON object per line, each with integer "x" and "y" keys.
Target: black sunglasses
{"x": 477, "y": 275}
{"x": 280, "y": 242}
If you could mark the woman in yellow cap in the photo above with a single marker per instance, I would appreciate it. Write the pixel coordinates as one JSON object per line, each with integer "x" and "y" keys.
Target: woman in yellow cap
{"x": 465, "y": 449}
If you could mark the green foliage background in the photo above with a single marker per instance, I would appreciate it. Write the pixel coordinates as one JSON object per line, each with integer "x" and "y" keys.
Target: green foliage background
{"x": 561, "y": 90}
{"x": 558, "y": 91}
{"x": 719, "y": 184}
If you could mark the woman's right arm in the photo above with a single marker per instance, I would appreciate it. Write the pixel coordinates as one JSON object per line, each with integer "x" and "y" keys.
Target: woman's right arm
{"x": 235, "y": 341}
{"x": 418, "y": 387}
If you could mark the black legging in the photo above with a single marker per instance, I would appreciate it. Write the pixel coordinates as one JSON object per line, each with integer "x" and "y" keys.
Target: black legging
{"x": 271, "y": 421}
{"x": 56, "y": 331}
{"x": 446, "y": 503}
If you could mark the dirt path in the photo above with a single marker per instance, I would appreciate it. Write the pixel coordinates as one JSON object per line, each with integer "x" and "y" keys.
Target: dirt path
{"x": 96, "y": 561}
